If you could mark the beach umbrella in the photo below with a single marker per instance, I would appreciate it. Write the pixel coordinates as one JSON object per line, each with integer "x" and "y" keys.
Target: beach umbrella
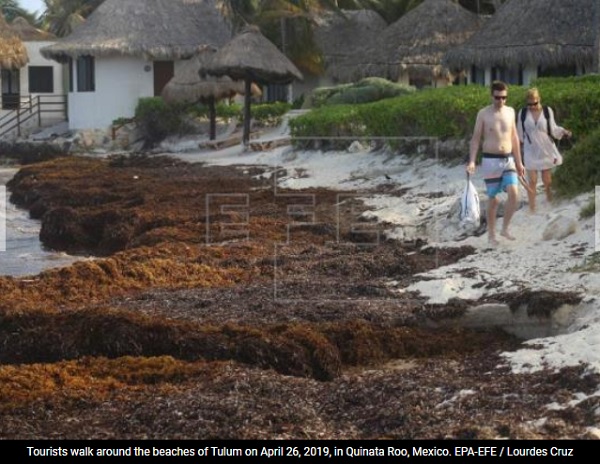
{"x": 13, "y": 54}
{"x": 251, "y": 57}
{"x": 190, "y": 84}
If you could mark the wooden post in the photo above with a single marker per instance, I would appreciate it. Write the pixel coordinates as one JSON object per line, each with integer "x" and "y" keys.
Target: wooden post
{"x": 247, "y": 102}
{"x": 212, "y": 116}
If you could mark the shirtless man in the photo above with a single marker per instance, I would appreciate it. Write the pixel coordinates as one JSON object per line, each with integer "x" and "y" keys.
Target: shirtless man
{"x": 501, "y": 157}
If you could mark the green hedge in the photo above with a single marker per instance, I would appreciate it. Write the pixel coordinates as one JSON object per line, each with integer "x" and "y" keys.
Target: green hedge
{"x": 447, "y": 112}
{"x": 451, "y": 111}
{"x": 262, "y": 113}
{"x": 580, "y": 171}
{"x": 366, "y": 90}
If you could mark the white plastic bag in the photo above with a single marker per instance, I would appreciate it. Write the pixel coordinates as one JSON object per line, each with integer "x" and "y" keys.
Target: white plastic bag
{"x": 469, "y": 205}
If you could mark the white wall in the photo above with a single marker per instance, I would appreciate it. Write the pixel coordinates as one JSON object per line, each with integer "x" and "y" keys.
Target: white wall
{"x": 36, "y": 59}
{"x": 120, "y": 83}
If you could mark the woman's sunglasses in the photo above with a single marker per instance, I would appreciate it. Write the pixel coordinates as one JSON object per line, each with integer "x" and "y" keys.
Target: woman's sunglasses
{"x": 532, "y": 104}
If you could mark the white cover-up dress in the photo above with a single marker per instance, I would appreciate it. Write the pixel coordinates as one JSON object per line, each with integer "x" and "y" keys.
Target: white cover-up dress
{"x": 539, "y": 150}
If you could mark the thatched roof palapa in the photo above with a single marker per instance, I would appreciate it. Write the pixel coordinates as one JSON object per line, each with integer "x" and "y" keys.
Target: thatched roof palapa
{"x": 13, "y": 54}
{"x": 344, "y": 41}
{"x": 191, "y": 84}
{"x": 417, "y": 42}
{"x": 252, "y": 57}
{"x": 532, "y": 32}
{"x": 152, "y": 29}
{"x": 29, "y": 33}
{"x": 188, "y": 85}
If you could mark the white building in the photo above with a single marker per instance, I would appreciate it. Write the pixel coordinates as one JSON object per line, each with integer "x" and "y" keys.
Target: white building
{"x": 36, "y": 91}
{"x": 130, "y": 49}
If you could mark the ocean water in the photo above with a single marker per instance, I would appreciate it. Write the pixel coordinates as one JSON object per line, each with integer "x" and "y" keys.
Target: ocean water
{"x": 23, "y": 254}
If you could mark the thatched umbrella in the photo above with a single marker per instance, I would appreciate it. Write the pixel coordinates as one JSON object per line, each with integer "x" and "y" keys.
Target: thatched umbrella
{"x": 29, "y": 33}
{"x": 344, "y": 41}
{"x": 417, "y": 42}
{"x": 251, "y": 57}
{"x": 152, "y": 29}
{"x": 544, "y": 33}
{"x": 190, "y": 84}
{"x": 13, "y": 54}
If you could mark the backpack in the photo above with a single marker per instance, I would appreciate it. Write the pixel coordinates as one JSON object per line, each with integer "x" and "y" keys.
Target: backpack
{"x": 546, "y": 112}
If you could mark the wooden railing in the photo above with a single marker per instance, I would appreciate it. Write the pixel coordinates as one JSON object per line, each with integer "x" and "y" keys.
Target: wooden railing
{"x": 30, "y": 108}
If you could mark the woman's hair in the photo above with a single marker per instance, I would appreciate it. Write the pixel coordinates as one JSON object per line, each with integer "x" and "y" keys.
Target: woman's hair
{"x": 533, "y": 93}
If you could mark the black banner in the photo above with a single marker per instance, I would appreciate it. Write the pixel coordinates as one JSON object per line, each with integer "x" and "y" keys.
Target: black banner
{"x": 277, "y": 451}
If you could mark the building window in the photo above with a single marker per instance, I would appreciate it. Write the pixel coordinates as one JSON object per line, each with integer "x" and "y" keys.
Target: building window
{"x": 41, "y": 79}
{"x": 477, "y": 75}
{"x": 508, "y": 75}
{"x": 86, "y": 81}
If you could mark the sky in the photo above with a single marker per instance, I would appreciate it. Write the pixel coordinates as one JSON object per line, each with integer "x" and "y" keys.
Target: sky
{"x": 32, "y": 5}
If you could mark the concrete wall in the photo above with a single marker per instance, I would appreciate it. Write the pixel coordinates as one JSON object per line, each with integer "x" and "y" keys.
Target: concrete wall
{"x": 120, "y": 83}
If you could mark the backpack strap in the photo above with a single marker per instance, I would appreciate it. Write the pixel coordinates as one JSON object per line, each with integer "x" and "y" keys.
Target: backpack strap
{"x": 547, "y": 116}
{"x": 523, "y": 116}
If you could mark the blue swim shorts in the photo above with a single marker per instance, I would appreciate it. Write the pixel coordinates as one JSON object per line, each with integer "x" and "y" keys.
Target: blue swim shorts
{"x": 499, "y": 172}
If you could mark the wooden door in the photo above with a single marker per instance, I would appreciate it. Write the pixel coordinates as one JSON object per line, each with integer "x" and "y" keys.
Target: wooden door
{"x": 163, "y": 72}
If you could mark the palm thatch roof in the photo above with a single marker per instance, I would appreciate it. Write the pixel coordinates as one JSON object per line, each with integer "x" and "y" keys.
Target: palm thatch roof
{"x": 29, "y": 33}
{"x": 189, "y": 84}
{"x": 417, "y": 42}
{"x": 532, "y": 32}
{"x": 250, "y": 55}
{"x": 152, "y": 29}
{"x": 342, "y": 39}
{"x": 13, "y": 54}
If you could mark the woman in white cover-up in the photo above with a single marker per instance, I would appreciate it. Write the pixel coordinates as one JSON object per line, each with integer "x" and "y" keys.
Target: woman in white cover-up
{"x": 539, "y": 150}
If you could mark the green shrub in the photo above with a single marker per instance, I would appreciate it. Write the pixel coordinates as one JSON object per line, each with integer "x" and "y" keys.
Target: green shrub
{"x": 269, "y": 114}
{"x": 262, "y": 113}
{"x": 157, "y": 119}
{"x": 366, "y": 90}
{"x": 580, "y": 171}
{"x": 447, "y": 112}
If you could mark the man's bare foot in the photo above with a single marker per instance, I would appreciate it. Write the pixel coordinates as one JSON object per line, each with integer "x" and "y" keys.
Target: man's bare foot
{"x": 492, "y": 241}
{"x": 505, "y": 234}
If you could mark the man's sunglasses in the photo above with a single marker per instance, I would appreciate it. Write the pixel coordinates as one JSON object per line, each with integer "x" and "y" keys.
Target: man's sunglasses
{"x": 532, "y": 104}
{"x": 500, "y": 97}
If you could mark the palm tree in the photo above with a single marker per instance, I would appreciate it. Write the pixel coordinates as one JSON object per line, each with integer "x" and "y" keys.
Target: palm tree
{"x": 63, "y": 16}
{"x": 11, "y": 9}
